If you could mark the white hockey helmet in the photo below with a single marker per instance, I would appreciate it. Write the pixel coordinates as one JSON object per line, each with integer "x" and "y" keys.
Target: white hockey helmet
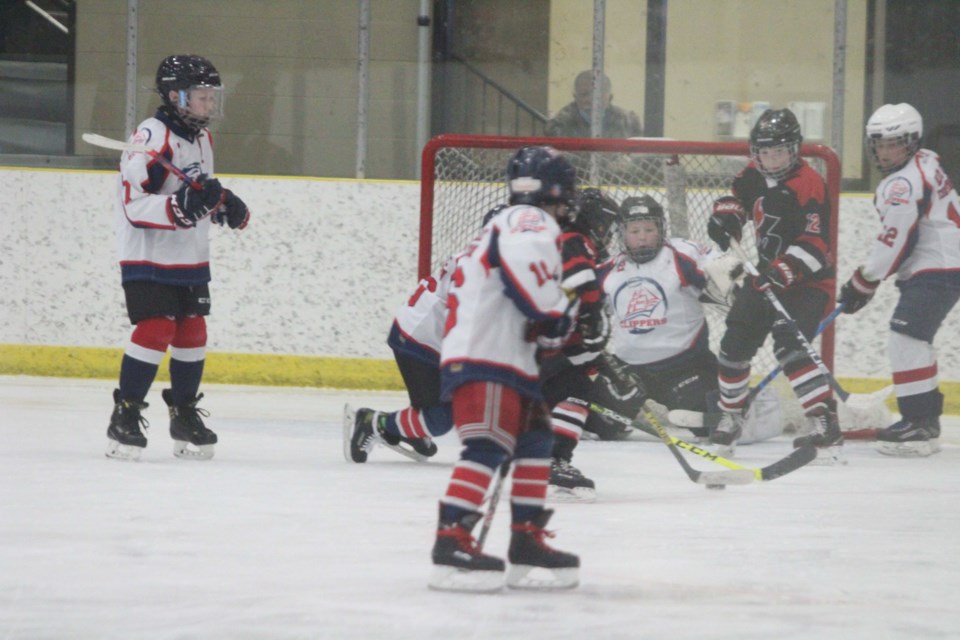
{"x": 894, "y": 122}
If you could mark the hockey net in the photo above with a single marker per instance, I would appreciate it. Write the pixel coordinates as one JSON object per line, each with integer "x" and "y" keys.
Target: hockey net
{"x": 464, "y": 176}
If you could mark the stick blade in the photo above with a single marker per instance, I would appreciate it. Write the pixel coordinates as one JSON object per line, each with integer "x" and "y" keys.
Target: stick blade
{"x": 733, "y": 476}
{"x": 104, "y": 142}
{"x": 799, "y": 458}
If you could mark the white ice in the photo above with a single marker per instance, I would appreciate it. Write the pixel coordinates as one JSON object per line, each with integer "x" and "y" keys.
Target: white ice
{"x": 279, "y": 537}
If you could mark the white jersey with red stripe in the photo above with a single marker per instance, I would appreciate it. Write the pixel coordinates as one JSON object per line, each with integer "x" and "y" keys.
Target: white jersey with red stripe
{"x": 509, "y": 276}
{"x": 654, "y": 306}
{"x": 150, "y": 246}
{"x": 418, "y": 326}
{"x": 920, "y": 213}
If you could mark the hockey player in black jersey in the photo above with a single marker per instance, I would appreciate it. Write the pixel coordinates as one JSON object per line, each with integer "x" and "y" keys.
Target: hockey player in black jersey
{"x": 787, "y": 202}
{"x": 568, "y": 373}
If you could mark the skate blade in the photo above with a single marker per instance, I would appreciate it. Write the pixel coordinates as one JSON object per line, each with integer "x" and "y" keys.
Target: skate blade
{"x": 349, "y": 418}
{"x": 829, "y": 457}
{"x": 123, "y": 451}
{"x": 405, "y": 450}
{"x": 576, "y": 494}
{"x": 187, "y": 451}
{"x": 918, "y": 449}
{"x": 523, "y": 576}
{"x": 445, "y": 578}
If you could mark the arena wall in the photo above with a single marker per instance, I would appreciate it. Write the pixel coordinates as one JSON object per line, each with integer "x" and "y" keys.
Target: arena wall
{"x": 304, "y": 296}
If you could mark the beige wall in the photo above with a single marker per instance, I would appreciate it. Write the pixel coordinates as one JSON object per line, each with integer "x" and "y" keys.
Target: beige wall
{"x": 290, "y": 70}
{"x": 741, "y": 50}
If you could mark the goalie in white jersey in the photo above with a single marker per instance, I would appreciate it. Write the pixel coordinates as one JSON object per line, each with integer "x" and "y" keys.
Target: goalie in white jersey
{"x": 505, "y": 300}
{"x": 163, "y": 227}
{"x": 919, "y": 244}
{"x": 654, "y": 289}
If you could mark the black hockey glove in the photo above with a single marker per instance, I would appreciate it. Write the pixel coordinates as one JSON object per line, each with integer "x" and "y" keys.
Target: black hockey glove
{"x": 233, "y": 212}
{"x": 593, "y": 327}
{"x": 622, "y": 383}
{"x": 188, "y": 205}
{"x": 726, "y": 222}
{"x": 857, "y": 292}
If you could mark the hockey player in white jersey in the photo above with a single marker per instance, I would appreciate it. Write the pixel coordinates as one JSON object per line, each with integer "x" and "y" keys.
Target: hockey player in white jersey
{"x": 919, "y": 244}
{"x": 415, "y": 338}
{"x": 163, "y": 225}
{"x": 654, "y": 288}
{"x": 505, "y": 301}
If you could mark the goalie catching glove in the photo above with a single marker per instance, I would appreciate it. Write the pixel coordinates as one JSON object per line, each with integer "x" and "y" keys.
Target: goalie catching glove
{"x": 726, "y": 222}
{"x": 857, "y": 292}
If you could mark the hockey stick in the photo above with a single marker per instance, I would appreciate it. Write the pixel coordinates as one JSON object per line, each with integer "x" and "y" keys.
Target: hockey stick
{"x": 494, "y": 500}
{"x": 104, "y": 142}
{"x": 793, "y": 461}
{"x": 778, "y": 307}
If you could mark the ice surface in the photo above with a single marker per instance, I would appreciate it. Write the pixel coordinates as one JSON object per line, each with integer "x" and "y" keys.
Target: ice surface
{"x": 279, "y": 537}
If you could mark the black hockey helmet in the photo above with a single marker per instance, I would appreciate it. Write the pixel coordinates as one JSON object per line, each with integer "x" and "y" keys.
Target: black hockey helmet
{"x": 776, "y": 128}
{"x": 181, "y": 74}
{"x": 596, "y": 217}
{"x": 541, "y": 176}
{"x": 641, "y": 208}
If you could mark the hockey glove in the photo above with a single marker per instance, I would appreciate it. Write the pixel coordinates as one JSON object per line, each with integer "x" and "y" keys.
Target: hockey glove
{"x": 783, "y": 273}
{"x": 553, "y": 334}
{"x": 233, "y": 212}
{"x": 726, "y": 222}
{"x": 594, "y": 328}
{"x": 857, "y": 292}
{"x": 621, "y": 382}
{"x": 188, "y": 205}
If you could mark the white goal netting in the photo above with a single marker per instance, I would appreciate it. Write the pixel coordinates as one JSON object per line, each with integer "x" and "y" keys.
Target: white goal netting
{"x": 463, "y": 177}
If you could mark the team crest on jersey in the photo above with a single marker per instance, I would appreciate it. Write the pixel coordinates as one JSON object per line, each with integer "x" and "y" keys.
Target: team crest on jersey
{"x": 527, "y": 219}
{"x": 642, "y": 305}
{"x": 898, "y": 191}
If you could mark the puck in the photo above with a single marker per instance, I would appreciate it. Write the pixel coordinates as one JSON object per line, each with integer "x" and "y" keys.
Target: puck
{"x": 716, "y": 486}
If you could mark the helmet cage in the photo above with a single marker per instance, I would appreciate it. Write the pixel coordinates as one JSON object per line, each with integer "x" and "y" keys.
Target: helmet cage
{"x": 596, "y": 217}
{"x": 643, "y": 208}
{"x": 899, "y": 123}
{"x": 775, "y": 129}
{"x": 195, "y": 82}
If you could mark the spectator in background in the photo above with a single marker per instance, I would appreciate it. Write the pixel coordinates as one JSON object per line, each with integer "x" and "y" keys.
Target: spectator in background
{"x": 573, "y": 120}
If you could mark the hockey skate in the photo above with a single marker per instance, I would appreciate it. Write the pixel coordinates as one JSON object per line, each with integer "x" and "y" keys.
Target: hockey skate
{"x": 458, "y": 562}
{"x": 727, "y": 432}
{"x": 910, "y": 438}
{"x": 191, "y": 438}
{"x": 126, "y": 441}
{"x": 825, "y": 435}
{"x": 568, "y": 484}
{"x": 534, "y": 564}
{"x": 361, "y": 432}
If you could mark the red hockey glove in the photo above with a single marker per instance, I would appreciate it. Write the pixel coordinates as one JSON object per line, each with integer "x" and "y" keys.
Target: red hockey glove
{"x": 857, "y": 292}
{"x": 726, "y": 222}
{"x": 783, "y": 273}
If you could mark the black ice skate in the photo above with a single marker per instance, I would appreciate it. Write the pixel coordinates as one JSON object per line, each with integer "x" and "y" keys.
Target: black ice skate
{"x": 191, "y": 438}
{"x": 458, "y": 562}
{"x": 361, "y": 432}
{"x": 917, "y": 438}
{"x": 568, "y": 484}
{"x": 727, "y": 432}
{"x": 825, "y": 435}
{"x": 536, "y": 565}
{"x": 126, "y": 440}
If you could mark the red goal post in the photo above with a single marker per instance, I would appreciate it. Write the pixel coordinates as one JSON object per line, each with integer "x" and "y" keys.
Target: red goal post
{"x": 463, "y": 176}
